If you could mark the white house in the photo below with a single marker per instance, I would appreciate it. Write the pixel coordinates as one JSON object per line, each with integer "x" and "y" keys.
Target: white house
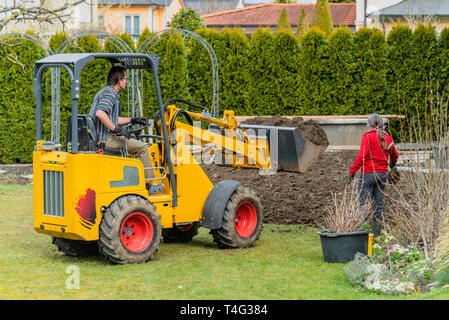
{"x": 367, "y": 7}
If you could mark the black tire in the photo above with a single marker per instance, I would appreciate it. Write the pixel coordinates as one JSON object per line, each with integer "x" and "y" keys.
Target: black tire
{"x": 130, "y": 230}
{"x": 180, "y": 234}
{"x": 238, "y": 232}
{"x": 76, "y": 248}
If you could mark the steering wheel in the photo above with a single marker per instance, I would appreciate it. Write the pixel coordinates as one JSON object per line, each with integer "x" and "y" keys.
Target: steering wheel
{"x": 137, "y": 130}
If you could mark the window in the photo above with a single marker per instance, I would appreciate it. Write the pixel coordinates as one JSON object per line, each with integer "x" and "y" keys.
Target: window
{"x": 132, "y": 26}
{"x": 101, "y": 21}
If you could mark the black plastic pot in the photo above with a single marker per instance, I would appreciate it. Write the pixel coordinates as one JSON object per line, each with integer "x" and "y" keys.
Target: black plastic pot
{"x": 342, "y": 247}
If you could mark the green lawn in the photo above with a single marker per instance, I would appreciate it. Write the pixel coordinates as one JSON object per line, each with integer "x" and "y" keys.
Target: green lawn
{"x": 286, "y": 263}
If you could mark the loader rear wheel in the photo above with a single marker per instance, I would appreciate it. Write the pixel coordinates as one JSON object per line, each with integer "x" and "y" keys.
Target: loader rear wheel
{"x": 181, "y": 233}
{"x": 242, "y": 220}
{"x": 130, "y": 230}
{"x": 76, "y": 248}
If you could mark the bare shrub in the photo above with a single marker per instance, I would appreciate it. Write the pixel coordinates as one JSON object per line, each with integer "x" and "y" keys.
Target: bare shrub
{"x": 421, "y": 207}
{"x": 346, "y": 214}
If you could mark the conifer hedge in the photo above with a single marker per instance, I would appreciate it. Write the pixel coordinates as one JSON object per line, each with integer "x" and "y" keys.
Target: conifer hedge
{"x": 262, "y": 98}
{"x": 443, "y": 56}
{"x": 370, "y": 77}
{"x": 313, "y": 75}
{"x": 232, "y": 55}
{"x": 17, "y": 120}
{"x": 199, "y": 67}
{"x": 319, "y": 74}
{"x": 342, "y": 69}
{"x": 399, "y": 66}
{"x": 286, "y": 56}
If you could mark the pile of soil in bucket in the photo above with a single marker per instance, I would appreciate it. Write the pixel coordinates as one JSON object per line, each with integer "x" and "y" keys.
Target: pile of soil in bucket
{"x": 310, "y": 129}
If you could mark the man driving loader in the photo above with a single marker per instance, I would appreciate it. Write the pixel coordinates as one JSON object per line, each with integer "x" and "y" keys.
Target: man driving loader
{"x": 106, "y": 114}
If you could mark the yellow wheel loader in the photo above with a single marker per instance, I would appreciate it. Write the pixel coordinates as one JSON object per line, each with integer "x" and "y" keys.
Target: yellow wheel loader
{"x": 92, "y": 199}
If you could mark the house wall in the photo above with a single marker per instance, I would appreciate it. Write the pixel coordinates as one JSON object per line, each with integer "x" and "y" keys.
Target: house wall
{"x": 151, "y": 17}
{"x": 438, "y": 23}
{"x": 114, "y": 17}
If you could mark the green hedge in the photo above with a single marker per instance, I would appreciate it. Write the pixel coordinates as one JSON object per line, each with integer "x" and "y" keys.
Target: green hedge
{"x": 343, "y": 73}
{"x": 262, "y": 98}
{"x": 313, "y": 74}
{"x": 17, "y": 120}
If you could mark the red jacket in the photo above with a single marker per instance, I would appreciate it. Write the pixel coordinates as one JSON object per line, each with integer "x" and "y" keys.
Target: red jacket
{"x": 371, "y": 157}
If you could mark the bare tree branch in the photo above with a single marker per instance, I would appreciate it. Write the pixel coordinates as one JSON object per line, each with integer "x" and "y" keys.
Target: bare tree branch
{"x": 37, "y": 11}
{"x": 15, "y": 11}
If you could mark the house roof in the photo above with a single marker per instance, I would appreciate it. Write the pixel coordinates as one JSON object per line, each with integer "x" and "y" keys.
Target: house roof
{"x": 415, "y": 7}
{"x": 207, "y": 6}
{"x": 343, "y": 14}
{"x": 135, "y": 2}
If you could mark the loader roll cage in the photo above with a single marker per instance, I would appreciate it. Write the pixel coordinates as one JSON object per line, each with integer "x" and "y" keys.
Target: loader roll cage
{"x": 74, "y": 64}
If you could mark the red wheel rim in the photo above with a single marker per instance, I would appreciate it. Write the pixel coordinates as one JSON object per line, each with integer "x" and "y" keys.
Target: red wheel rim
{"x": 245, "y": 219}
{"x": 136, "y": 232}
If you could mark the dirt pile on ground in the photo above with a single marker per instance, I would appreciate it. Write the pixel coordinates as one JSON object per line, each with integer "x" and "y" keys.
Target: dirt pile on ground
{"x": 299, "y": 198}
{"x": 291, "y": 197}
{"x": 309, "y": 129}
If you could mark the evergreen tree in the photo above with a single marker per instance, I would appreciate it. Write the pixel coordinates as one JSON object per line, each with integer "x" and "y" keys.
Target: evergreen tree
{"x": 187, "y": 19}
{"x": 93, "y": 75}
{"x": 173, "y": 69}
{"x": 425, "y": 59}
{"x": 342, "y": 68}
{"x": 199, "y": 67}
{"x": 232, "y": 55}
{"x": 283, "y": 23}
{"x": 172, "y": 74}
{"x": 313, "y": 75}
{"x": 303, "y": 24}
{"x": 17, "y": 104}
{"x": 322, "y": 17}
{"x": 143, "y": 36}
{"x": 370, "y": 76}
{"x": 113, "y": 45}
{"x": 262, "y": 97}
{"x": 399, "y": 66}
{"x": 443, "y": 79}
{"x": 56, "y": 40}
{"x": 286, "y": 54}
{"x": 148, "y": 94}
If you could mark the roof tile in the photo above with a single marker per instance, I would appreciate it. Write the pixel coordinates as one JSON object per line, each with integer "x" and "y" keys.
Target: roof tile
{"x": 268, "y": 15}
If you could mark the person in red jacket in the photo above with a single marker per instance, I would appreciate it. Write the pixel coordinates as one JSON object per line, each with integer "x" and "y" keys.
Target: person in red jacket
{"x": 376, "y": 148}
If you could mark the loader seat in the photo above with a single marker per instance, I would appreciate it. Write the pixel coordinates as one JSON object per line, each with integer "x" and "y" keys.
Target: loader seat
{"x": 87, "y": 137}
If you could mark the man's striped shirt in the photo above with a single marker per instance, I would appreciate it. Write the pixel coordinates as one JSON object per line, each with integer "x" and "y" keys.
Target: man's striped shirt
{"x": 108, "y": 100}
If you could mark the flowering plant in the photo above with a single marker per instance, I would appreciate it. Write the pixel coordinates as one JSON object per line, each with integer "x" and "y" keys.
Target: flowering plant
{"x": 392, "y": 269}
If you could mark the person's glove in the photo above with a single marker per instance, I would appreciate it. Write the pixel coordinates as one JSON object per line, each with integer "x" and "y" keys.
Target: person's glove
{"x": 120, "y": 131}
{"x": 350, "y": 178}
{"x": 392, "y": 165}
{"x": 139, "y": 120}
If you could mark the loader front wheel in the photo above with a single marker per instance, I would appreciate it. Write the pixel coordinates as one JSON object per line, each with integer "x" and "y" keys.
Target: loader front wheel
{"x": 130, "y": 230}
{"x": 242, "y": 220}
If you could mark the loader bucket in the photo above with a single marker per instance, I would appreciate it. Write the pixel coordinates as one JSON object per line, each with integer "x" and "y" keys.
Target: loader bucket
{"x": 289, "y": 149}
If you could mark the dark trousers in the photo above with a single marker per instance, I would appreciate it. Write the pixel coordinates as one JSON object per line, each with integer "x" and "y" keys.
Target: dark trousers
{"x": 372, "y": 185}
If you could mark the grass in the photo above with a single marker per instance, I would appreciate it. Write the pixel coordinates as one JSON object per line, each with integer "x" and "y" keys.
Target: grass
{"x": 286, "y": 264}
